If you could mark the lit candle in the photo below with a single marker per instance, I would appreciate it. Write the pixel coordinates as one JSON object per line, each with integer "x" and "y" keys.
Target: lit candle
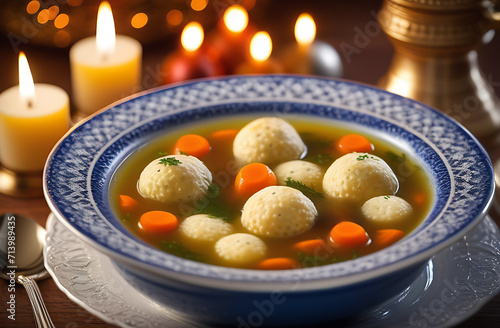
{"x": 104, "y": 68}
{"x": 232, "y": 37}
{"x": 33, "y": 117}
{"x": 310, "y": 56}
{"x": 193, "y": 60}
{"x": 261, "y": 47}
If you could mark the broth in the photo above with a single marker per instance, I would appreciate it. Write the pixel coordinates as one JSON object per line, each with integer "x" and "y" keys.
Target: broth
{"x": 319, "y": 137}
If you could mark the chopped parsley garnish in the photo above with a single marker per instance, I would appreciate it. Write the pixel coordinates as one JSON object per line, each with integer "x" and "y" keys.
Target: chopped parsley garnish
{"x": 323, "y": 158}
{"x": 308, "y": 261}
{"x": 162, "y": 154}
{"x": 183, "y": 153}
{"x": 213, "y": 190}
{"x": 363, "y": 157}
{"x": 215, "y": 209}
{"x": 405, "y": 165}
{"x": 213, "y": 206}
{"x": 126, "y": 218}
{"x": 309, "y": 192}
{"x": 395, "y": 157}
{"x": 177, "y": 249}
{"x": 169, "y": 161}
{"x": 387, "y": 197}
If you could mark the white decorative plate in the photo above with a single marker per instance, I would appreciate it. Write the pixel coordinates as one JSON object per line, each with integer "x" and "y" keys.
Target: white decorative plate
{"x": 454, "y": 285}
{"x": 80, "y": 169}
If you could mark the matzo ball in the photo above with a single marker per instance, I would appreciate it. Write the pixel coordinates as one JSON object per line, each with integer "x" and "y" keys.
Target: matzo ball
{"x": 240, "y": 248}
{"x": 268, "y": 140}
{"x": 203, "y": 227}
{"x": 387, "y": 211}
{"x": 358, "y": 177}
{"x": 175, "y": 179}
{"x": 305, "y": 172}
{"x": 278, "y": 211}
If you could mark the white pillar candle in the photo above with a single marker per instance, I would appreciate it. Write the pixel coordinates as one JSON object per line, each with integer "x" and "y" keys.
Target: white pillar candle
{"x": 104, "y": 68}
{"x": 33, "y": 117}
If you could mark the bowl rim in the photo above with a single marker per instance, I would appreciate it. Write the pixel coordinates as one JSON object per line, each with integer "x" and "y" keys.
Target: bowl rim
{"x": 251, "y": 280}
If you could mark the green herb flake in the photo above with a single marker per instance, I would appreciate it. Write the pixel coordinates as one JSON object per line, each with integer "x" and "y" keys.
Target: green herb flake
{"x": 183, "y": 153}
{"x": 126, "y": 218}
{"x": 323, "y": 158}
{"x": 177, "y": 249}
{"x": 362, "y": 157}
{"x": 308, "y": 261}
{"x": 214, "y": 209}
{"x": 169, "y": 161}
{"x": 387, "y": 197}
{"x": 395, "y": 157}
{"x": 213, "y": 191}
{"x": 309, "y": 192}
{"x": 162, "y": 154}
{"x": 365, "y": 156}
{"x": 213, "y": 206}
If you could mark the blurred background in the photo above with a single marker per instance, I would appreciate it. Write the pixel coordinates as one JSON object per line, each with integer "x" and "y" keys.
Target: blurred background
{"x": 46, "y": 29}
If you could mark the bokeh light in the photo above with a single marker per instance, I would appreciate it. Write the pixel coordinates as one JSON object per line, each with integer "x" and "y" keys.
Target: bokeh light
{"x": 62, "y": 38}
{"x": 53, "y": 11}
{"x": 192, "y": 36}
{"x": 43, "y": 16}
{"x": 261, "y": 46}
{"x": 139, "y": 20}
{"x": 236, "y": 18}
{"x": 199, "y": 5}
{"x": 61, "y": 21}
{"x": 32, "y": 7}
{"x": 305, "y": 29}
{"x": 174, "y": 17}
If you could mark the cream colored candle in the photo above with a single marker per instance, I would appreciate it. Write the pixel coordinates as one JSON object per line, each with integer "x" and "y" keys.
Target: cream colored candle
{"x": 104, "y": 68}
{"x": 33, "y": 117}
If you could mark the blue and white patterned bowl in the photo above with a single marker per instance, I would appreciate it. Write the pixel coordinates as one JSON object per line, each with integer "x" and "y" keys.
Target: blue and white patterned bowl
{"x": 79, "y": 170}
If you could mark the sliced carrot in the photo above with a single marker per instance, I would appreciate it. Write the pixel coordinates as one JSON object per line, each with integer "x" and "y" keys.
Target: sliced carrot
{"x": 348, "y": 234}
{"x": 158, "y": 222}
{"x": 128, "y": 204}
{"x": 354, "y": 143}
{"x": 278, "y": 263}
{"x": 386, "y": 237}
{"x": 227, "y": 135}
{"x": 192, "y": 144}
{"x": 254, "y": 177}
{"x": 310, "y": 247}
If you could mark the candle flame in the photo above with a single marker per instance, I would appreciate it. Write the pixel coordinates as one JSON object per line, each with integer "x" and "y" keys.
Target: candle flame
{"x": 192, "y": 36}
{"x": 305, "y": 29}
{"x": 105, "y": 34}
{"x": 26, "y": 85}
{"x": 236, "y": 18}
{"x": 261, "y": 46}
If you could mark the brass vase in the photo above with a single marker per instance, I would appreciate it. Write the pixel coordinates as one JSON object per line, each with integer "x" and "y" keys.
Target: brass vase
{"x": 435, "y": 59}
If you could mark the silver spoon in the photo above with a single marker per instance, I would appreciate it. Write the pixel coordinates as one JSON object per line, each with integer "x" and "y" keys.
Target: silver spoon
{"x": 21, "y": 260}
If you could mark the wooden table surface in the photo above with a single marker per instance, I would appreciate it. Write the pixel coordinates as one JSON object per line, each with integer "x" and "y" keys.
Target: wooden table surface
{"x": 336, "y": 23}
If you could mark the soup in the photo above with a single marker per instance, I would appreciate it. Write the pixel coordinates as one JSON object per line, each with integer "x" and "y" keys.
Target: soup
{"x": 269, "y": 193}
